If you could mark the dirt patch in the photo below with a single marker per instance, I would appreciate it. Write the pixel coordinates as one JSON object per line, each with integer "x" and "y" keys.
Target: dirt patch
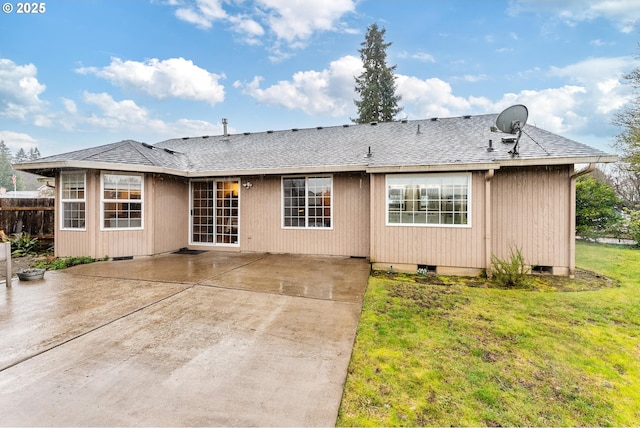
{"x": 584, "y": 281}
{"x": 17, "y": 263}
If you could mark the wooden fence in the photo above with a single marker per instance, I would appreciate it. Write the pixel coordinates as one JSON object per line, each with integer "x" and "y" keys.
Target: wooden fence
{"x": 34, "y": 216}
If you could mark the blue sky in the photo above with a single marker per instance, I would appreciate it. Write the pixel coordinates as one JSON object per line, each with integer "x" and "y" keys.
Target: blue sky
{"x": 92, "y": 72}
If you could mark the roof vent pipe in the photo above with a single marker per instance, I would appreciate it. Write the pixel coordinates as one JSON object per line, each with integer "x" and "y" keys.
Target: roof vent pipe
{"x": 224, "y": 127}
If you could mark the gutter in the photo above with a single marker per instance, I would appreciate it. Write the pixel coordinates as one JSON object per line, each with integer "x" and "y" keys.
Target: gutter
{"x": 587, "y": 170}
{"x": 488, "y": 229}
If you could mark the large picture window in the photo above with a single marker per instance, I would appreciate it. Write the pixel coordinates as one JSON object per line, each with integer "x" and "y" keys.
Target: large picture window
{"x": 122, "y": 201}
{"x": 307, "y": 202}
{"x": 429, "y": 199}
{"x": 72, "y": 199}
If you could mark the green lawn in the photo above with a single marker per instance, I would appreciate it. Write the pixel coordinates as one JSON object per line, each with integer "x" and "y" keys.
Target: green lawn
{"x": 457, "y": 355}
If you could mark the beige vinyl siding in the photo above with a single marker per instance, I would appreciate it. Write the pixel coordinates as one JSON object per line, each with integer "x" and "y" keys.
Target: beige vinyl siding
{"x": 531, "y": 210}
{"x": 165, "y": 222}
{"x": 77, "y": 243}
{"x": 430, "y": 245}
{"x": 170, "y": 213}
{"x": 261, "y": 219}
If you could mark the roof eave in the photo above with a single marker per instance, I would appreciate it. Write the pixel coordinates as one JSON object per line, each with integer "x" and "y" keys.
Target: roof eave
{"x": 567, "y": 160}
{"x": 433, "y": 168}
{"x": 326, "y": 169}
{"x": 108, "y": 166}
{"x": 497, "y": 164}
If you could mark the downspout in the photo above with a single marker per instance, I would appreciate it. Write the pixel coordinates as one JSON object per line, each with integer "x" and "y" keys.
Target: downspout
{"x": 488, "y": 230}
{"x": 572, "y": 216}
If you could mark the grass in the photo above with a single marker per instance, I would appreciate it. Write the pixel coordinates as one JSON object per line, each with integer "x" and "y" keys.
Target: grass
{"x": 450, "y": 354}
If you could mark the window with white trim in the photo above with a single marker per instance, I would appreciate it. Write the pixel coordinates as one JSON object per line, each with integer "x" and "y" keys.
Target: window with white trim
{"x": 429, "y": 199}
{"x": 122, "y": 201}
{"x": 307, "y": 202}
{"x": 72, "y": 200}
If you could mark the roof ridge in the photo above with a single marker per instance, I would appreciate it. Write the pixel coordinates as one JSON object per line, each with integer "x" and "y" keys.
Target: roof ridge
{"x": 138, "y": 146}
{"x": 96, "y": 150}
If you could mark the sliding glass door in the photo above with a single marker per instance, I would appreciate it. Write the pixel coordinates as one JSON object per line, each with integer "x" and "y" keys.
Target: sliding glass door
{"x": 214, "y": 212}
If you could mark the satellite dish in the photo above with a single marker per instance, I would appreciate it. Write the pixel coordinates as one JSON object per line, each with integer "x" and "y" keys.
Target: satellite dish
{"x": 511, "y": 121}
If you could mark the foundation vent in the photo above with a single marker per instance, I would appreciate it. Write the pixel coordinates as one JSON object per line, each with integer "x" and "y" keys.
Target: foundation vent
{"x": 425, "y": 269}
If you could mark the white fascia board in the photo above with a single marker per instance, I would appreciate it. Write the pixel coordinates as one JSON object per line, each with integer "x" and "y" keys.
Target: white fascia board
{"x": 569, "y": 160}
{"x": 277, "y": 171}
{"x": 433, "y": 168}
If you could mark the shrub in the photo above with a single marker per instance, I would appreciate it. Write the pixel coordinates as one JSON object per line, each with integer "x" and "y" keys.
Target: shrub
{"x": 22, "y": 244}
{"x": 511, "y": 272}
{"x": 63, "y": 263}
{"x": 634, "y": 225}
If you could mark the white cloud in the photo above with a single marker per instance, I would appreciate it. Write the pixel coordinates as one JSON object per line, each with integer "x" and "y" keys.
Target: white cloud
{"x": 420, "y": 56}
{"x": 471, "y": 78}
{"x": 292, "y": 22}
{"x": 127, "y": 118}
{"x": 603, "y": 79}
{"x": 117, "y": 114}
{"x": 624, "y": 13}
{"x": 297, "y": 20}
{"x": 422, "y": 98}
{"x": 16, "y": 140}
{"x": 202, "y": 13}
{"x": 250, "y": 30}
{"x": 20, "y": 90}
{"x": 70, "y": 106}
{"x": 558, "y": 110}
{"x": 328, "y": 92}
{"x": 173, "y": 77}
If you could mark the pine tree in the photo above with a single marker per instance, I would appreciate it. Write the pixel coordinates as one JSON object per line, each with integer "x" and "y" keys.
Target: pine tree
{"x": 34, "y": 153}
{"x": 21, "y": 156}
{"x": 6, "y": 170}
{"x": 376, "y": 85}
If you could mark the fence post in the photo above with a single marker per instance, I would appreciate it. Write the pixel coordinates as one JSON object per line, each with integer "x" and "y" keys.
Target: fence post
{"x": 5, "y": 253}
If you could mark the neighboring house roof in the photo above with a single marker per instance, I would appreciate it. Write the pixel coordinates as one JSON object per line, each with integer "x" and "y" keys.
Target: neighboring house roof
{"x": 458, "y": 143}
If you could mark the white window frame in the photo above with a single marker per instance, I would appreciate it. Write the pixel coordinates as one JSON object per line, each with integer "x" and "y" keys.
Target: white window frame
{"x": 64, "y": 200}
{"x": 306, "y": 202}
{"x": 104, "y": 200}
{"x": 427, "y": 179}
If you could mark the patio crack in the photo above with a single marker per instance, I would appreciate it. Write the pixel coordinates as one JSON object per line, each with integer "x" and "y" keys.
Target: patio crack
{"x": 91, "y": 330}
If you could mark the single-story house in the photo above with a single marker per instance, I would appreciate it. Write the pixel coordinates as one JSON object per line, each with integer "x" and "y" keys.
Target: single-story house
{"x": 440, "y": 194}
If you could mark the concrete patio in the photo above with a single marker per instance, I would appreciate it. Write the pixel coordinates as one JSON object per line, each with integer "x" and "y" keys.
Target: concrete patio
{"x": 205, "y": 339}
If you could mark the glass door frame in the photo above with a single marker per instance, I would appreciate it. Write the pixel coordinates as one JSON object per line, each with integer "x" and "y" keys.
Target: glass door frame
{"x": 219, "y": 209}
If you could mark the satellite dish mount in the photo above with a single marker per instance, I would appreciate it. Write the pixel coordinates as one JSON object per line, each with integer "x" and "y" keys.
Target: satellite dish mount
{"x": 511, "y": 121}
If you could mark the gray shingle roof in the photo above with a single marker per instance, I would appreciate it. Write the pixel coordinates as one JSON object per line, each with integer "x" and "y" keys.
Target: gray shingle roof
{"x": 405, "y": 144}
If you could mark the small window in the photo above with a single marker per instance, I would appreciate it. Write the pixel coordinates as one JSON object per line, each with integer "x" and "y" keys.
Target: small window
{"x": 122, "y": 201}
{"x": 72, "y": 199}
{"x": 429, "y": 199}
{"x": 307, "y": 202}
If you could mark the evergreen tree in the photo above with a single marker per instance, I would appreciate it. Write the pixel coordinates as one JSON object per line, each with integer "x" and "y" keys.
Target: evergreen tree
{"x": 6, "y": 170}
{"x": 34, "y": 153}
{"x": 376, "y": 85}
{"x": 4, "y": 150}
{"x": 20, "y": 156}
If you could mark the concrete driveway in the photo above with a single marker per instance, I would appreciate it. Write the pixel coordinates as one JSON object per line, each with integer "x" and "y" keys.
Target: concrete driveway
{"x": 181, "y": 340}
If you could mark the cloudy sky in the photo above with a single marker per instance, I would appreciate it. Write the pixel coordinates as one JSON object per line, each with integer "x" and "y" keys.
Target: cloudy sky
{"x": 83, "y": 73}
